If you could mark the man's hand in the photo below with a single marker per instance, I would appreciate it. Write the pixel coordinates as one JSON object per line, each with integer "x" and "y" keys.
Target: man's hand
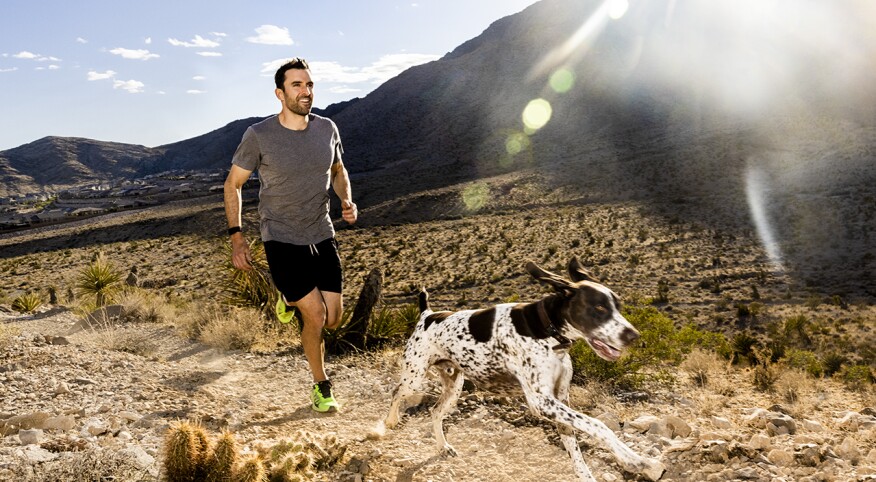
{"x": 240, "y": 255}
{"x": 349, "y": 211}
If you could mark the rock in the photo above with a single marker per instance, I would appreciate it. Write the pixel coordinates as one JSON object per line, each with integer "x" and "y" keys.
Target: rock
{"x": 849, "y": 421}
{"x": 141, "y": 459}
{"x": 759, "y": 442}
{"x": 37, "y": 455}
{"x": 779, "y": 409}
{"x": 747, "y": 473}
{"x": 61, "y": 388}
{"x": 660, "y": 429}
{"x": 94, "y": 427}
{"x": 57, "y": 340}
{"x": 30, "y": 436}
{"x": 641, "y": 424}
{"x": 717, "y": 451}
{"x": 780, "y": 458}
{"x": 812, "y": 426}
{"x": 679, "y": 427}
{"x": 757, "y": 418}
{"x": 721, "y": 423}
{"x": 32, "y": 420}
{"x": 609, "y": 477}
{"x": 809, "y": 455}
{"x": 780, "y": 424}
{"x": 129, "y": 415}
{"x": 124, "y": 436}
{"x": 64, "y": 422}
{"x": 848, "y": 450}
{"x": 871, "y": 457}
{"x": 610, "y": 420}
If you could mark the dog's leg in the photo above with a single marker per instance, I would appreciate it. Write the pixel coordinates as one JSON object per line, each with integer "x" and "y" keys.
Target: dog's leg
{"x": 551, "y": 408}
{"x": 415, "y": 362}
{"x": 451, "y": 385}
{"x": 567, "y": 434}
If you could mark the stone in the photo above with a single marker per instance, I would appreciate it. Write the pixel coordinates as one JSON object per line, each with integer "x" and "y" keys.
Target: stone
{"x": 37, "y": 455}
{"x": 809, "y": 455}
{"x": 13, "y": 424}
{"x": 30, "y": 436}
{"x": 747, "y": 473}
{"x": 610, "y": 420}
{"x": 641, "y": 424}
{"x": 871, "y": 457}
{"x": 780, "y": 424}
{"x": 129, "y": 415}
{"x": 812, "y": 426}
{"x": 848, "y": 450}
{"x": 63, "y": 422}
{"x": 141, "y": 459}
{"x": 717, "y": 451}
{"x": 660, "y": 429}
{"x": 679, "y": 427}
{"x": 780, "y": 457}
{"x": 61, "y": 388}
{"x": 609, "y": 477}
{"x": 849, "y": 421}
{"x": 759, "y": 442}
{"x": 721, "y": 423}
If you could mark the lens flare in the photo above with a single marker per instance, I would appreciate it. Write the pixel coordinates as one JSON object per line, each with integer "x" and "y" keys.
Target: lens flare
{"x": 562, "y": 80}
{"x": 617, "y": 8}
{"x": 475, "y": 197}
{"x": 755, "y": 187}
{"x": 516, "y": 143}
{"x": 536, "y": 114}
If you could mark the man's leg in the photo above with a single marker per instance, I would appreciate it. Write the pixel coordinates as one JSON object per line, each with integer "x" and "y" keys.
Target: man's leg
{"x": 313, "y": 310}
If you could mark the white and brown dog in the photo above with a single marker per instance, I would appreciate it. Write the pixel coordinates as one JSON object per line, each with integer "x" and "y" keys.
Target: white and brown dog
{"x": 524, "y": 346}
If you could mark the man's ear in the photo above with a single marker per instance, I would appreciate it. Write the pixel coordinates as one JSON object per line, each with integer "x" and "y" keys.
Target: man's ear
{"x": 559, "y": 284}
{"x": 578, "y": 273}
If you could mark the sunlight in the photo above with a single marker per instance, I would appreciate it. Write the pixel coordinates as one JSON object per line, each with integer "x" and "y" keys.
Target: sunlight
{"x": 755, "y": 187}
{"x": 536, "y": 114}
{"x": 475, "y": 196}
{"x": 516, "y": 143}
{"x": 562, "y": 80}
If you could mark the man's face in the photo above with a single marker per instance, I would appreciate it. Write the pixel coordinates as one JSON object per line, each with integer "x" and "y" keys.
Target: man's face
{"x": 297, "y": 92}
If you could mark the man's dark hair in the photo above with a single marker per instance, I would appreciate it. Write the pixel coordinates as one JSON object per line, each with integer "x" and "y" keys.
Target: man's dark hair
{"x": 296, "y": 63}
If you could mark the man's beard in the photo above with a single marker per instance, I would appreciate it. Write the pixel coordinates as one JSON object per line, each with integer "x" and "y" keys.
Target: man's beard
{"x": 296, "y": 108}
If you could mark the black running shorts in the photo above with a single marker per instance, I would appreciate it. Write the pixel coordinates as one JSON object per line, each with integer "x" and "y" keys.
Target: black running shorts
{"x": 296, "y": 269}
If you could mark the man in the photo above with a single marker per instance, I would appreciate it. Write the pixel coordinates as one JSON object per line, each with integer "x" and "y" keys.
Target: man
{"x": 298, "y": 156}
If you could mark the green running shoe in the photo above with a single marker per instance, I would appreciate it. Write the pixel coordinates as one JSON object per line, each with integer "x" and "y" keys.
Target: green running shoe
{"x": 284, "y": 312}
{"x": 322, "y": 398}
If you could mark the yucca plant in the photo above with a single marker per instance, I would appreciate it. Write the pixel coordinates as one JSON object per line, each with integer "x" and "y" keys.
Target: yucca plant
{"x": 252, "y": 289}
{"x": 99, "y": 279}
{"x": 392, "y": 323}
{"x": 27, "y": 303}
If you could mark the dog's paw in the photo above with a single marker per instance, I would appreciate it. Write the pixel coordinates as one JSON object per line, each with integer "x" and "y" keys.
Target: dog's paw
{"x": 653, "y": 469}
{"x": 448, "y": 451}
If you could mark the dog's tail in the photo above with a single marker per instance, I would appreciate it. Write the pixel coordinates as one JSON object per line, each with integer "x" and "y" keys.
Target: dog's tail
{"x": 424, "y": 300}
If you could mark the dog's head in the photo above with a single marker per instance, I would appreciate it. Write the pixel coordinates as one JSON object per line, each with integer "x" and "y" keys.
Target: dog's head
{"x": 589, "y": 308}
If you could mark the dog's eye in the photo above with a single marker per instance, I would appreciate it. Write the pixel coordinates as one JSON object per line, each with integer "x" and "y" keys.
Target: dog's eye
{"x": 601, "y": 309}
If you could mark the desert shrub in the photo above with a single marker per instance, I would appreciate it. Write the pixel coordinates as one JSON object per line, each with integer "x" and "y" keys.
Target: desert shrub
{"x": 388, "y": 324}
{"x": 857, "y": 377}
{"x": 662, "y": 291}
{"x": 93, "y": 464}
{"x": 797, "y": 327}
{"x": 833, "y": 363}
{"x": 701, "y": 365}
{"x": 142, "y": 306}
{"x": 766, "y": 374}
{"x": 27, "y": 303}
{"x": 792, "y": 384}
{"x": 743, "y": 346}
{"x": 234, "y": 329}
{"x": 250, "y": 289}
{"x": 804, "y": 360}
{"x": 659, "y": 348}
{"x": 99, "y": 279}
{"x": 690, "y": 337}
{"x": 112, "y": 336}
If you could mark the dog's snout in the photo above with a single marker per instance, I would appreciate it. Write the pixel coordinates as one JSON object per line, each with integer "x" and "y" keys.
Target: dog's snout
{"x": 629, "y": 335}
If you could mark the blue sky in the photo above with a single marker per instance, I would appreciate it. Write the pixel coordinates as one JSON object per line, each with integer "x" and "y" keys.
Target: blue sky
{"x": 157, "y": 72}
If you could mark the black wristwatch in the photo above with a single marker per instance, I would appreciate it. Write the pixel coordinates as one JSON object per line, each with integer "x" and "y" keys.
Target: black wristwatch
{"x": 233, "y": 230}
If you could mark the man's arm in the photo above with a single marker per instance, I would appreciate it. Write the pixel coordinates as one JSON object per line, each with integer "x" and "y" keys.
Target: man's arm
{"x": 341, "y": 185}
{"x": 240, "y": 255}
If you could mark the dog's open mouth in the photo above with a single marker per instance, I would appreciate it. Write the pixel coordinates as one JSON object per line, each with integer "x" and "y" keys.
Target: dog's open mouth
{"x": 604, "y": 350}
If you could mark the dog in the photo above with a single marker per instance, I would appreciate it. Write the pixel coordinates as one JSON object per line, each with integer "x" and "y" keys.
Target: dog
{"x": 523, "y": 346}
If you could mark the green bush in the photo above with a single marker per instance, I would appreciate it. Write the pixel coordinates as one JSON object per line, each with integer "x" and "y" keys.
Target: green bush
{"x": 99, "y": 279}
{"x": 27, "y": 303}
{"x": 660, "y": 348}
{"x": 833, "y": 363}
{"x": 743, "y": 347}
{"x": 857, "y": 377}
{"x": 804, "y": 360}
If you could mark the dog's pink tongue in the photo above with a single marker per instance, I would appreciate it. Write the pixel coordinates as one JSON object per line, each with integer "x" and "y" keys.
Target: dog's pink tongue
{"x": 606, "y": 351}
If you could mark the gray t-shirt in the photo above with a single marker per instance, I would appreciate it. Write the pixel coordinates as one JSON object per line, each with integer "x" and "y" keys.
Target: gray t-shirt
{"x": 294, "y": 170}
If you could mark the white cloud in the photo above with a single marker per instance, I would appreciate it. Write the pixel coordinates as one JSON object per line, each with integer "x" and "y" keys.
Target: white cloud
{"x": 343, "y": 89}
{"x": 13, "y": 69}
{"x": 161, "y": 92}
{"x": 210, "y": 54}
{"x": 139, "y": 54}
{"x": 271, "y": 35}
{"x": 378, "y": 72}
{"x": 199, "y": 77}
{"x": 196, "y": 92}
{"x": 219, "y": 34}
{"x": 109, "y": 74}
{"x": 81, "y": 40}
{"x": 54, "y": 67}
{"x": 198, "y": 41}
{"x": 148, "y": 40}
{"x": 132, "y": 86}
{"x": 24, "y": 54}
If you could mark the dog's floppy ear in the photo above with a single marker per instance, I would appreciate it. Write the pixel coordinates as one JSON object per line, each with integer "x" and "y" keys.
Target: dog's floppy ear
{"x": 559, "y": 284}
{"x": 578, "y": 273}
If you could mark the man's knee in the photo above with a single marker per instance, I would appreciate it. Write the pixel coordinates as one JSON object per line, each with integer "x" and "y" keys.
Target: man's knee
{"x": 333, "y": 322}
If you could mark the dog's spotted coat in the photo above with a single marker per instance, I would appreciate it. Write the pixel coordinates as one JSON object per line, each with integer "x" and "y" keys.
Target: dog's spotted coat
{"x": 524, "y": 346}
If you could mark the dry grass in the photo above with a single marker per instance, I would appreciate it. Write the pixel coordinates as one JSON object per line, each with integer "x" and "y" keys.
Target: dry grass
{"x": 7, "y": 335}
{"x": 112, "y": 335}
{"x": 243, "y": 329}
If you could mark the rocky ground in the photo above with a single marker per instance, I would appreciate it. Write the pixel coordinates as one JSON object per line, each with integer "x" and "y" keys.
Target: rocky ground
{"x": 68, "y": 402}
